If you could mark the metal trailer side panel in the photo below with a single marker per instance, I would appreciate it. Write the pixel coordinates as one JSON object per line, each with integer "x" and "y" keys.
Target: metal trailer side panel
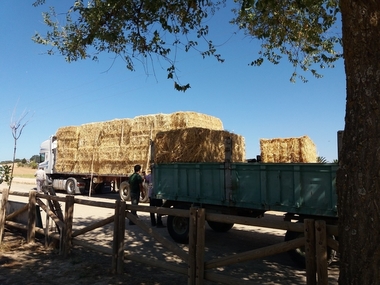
{"x": 307, "y": 189}
{"x": 190, "y": 182}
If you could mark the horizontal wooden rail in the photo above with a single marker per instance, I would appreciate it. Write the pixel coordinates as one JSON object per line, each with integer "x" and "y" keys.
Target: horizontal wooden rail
{"x": 93, "y": 226}
{"x": 282, "y": 225}
{"x": 256, "y": 253}
{"x": 17, "y": 225}
{"x": 17, "y": 193}
{"x": 159, "y": 210}
{"x": 51, "y": 197}
{"x": 23, "y": 227}
{"x": 17, "y": 212}
{"x": 109, "y": 205}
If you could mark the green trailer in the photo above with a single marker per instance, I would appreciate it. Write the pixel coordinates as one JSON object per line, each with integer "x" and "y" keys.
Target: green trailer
{"x": 303, "y": 189}
{"x": 300, "y": 190}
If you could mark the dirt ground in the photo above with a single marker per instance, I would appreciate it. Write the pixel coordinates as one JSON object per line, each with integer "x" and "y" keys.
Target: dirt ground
{"x": 22, "y": 263}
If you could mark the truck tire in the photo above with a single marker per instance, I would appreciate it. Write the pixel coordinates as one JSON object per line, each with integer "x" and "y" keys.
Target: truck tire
{"x": 298, "y": 254}
{"x": 71, "y": 186}
{"x": 220, "y": 227}
{"x": 124, "y": 191}
{"x": 178, "y": 228}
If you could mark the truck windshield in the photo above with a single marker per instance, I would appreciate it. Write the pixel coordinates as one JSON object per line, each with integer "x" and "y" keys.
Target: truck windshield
{"x": 42, "y": 157}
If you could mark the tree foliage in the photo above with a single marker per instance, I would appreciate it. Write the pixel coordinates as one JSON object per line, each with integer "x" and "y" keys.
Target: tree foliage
{"x": 35, "y": 158}
{"x": 5, "y": 173}
{"x": 142, "y": 31}
{"x": 322, "y": 159}
{"x": 134, "y": 30}
{"x": 301, "y": 30}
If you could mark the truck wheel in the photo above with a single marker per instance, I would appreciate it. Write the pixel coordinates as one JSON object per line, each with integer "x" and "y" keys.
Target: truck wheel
{"x": 124, "y": 191}
{"x": 220, "y": 227}
{"x": 71, "y": 186}
{"x": 298, "y": 254}
{"x": 178, "y": 228}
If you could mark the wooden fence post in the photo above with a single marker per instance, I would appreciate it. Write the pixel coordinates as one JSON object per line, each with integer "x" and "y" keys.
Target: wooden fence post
{"x": 31, "y": 230}
{"x": 120, "y": 239}
{"x": 68, "y": 225}
{"x": 115, "y": 242}
{"x": 192, "y": 246}
{"x": 310, "y": 252}
{"x": 4, "y": 200}
{"x": 200, "y": 248}
{"x": 321, "y": 249}
{"x": 47, "y": 225}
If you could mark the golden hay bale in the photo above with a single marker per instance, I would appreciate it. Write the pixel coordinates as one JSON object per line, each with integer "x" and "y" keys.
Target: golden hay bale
{"x": 288, "y": 150}
{"x": 116, "y": 146}
{"x": 196, "y": 145}
{"x": 66, "y": 148}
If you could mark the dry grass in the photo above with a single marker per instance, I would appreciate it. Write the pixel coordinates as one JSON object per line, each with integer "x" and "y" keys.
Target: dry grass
{"x": 23, "y": 171}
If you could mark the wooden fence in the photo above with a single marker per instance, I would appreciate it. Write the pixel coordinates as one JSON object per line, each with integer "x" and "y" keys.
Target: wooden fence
{"x": 315, "y": 239}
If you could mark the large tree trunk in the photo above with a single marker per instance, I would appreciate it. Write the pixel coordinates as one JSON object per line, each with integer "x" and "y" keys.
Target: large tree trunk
{"x": 358, "y": 179}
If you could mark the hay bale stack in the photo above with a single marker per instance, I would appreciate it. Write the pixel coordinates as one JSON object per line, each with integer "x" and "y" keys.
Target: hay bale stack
{"x": 68, "y": 152}
{"x": 196, "y": 145}
{"x": 288, "y": 150}
{"x": 114, "y": 147}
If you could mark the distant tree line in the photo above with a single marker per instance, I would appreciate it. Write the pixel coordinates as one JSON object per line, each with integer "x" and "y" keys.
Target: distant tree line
{"x": 31, "y": 162}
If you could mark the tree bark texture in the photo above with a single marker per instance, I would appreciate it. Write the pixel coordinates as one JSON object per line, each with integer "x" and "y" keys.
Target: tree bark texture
{"x": 358, "y": 177}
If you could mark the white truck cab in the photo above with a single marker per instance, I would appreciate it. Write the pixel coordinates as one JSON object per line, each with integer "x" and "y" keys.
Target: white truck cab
{"x": 47, "y": 154}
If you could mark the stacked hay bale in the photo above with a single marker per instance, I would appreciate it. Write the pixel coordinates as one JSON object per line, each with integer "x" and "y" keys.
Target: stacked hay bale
{"x": 114, "y": 147}
{"x": 197, "y": 145}
{"x": 67, "y": 153}
{"x": 288, "y": 150}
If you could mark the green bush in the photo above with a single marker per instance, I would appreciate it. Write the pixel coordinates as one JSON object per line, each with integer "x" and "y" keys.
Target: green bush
{"x": 33, "y": 165}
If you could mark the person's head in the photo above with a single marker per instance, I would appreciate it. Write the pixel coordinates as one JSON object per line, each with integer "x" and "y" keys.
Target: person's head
{"x": 137, "y": 168}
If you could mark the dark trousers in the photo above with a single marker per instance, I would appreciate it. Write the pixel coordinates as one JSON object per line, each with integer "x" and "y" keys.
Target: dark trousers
{"x": 155, "y": 203}
{"x": 135, "y": 199}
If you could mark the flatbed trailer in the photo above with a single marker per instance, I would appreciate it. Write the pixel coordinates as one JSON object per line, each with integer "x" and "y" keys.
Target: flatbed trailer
{"x": 301, "y": 190}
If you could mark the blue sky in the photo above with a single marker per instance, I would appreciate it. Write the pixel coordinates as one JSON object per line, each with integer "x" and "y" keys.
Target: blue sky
{"x": 254, "y": 102}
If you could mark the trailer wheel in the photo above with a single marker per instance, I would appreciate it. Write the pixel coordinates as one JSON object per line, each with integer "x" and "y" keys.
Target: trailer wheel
{"x": 124, "y": 191}
{"x": 178, "y": 228}
{"x": 71, "y": 186}
{"x": 298, "y": 254}
{"x": 220, "y": 227}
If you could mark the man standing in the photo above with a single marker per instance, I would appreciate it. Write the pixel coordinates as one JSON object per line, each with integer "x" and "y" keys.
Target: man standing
{"x": 136, "y": 187}
{"x": 40, "y": 179}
